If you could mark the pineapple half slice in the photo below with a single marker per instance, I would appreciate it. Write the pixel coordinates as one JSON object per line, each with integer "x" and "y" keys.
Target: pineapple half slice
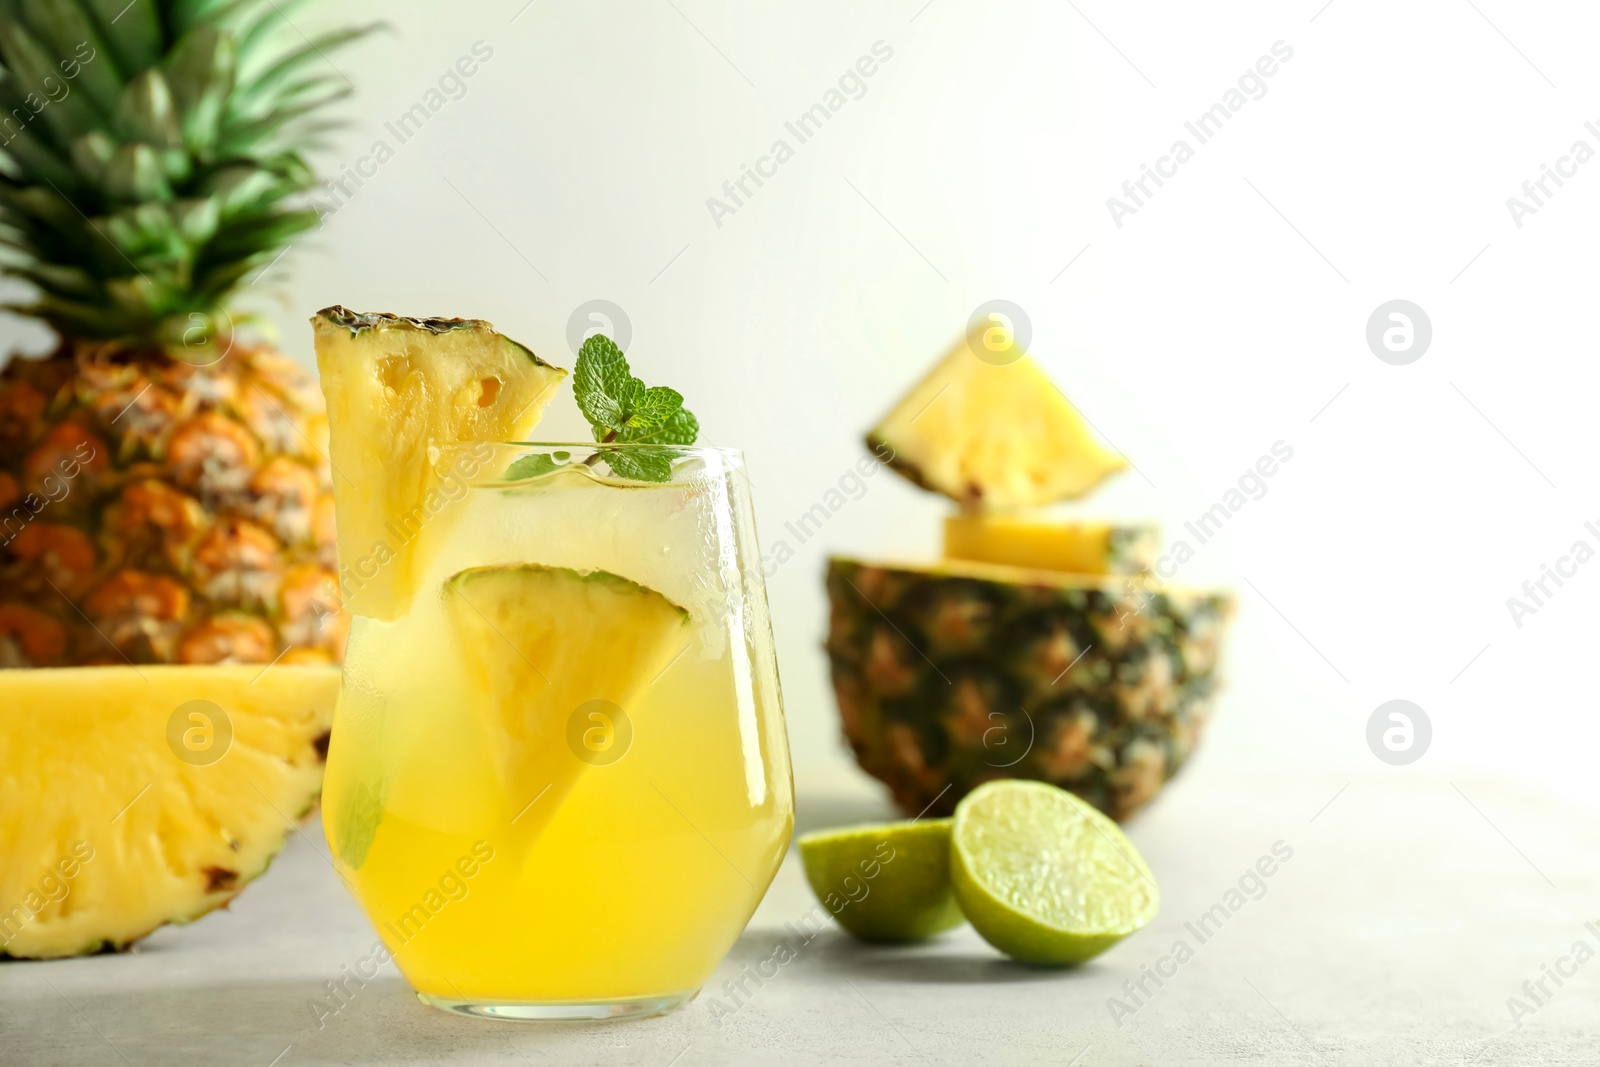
{"x": 992, "y": 437}
{"x": 400, "y": 393}
{"x": 1074, "y": 547}
{"x": 554, "y": 654}
{"x": 129, "y": 802}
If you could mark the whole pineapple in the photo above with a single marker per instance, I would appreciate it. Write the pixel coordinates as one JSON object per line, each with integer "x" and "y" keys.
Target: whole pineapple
{"x": 165, "y": 495}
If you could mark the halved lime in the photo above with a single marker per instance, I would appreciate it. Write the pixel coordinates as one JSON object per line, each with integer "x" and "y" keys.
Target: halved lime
{"x": 884, "y": 882}
{"x": 1043, "y": 876}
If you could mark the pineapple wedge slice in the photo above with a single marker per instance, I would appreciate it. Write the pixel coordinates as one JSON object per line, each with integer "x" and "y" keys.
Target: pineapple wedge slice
{"x": 992, "y": 437}
{"x": 553, "y": 653}
{"x": 400, "y": 393}
{"x": 1074, "y": 547}
{"x": 129, "y": 802}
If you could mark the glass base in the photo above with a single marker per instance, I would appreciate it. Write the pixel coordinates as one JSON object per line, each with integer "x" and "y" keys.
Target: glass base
{"x": 557, "y": 1011}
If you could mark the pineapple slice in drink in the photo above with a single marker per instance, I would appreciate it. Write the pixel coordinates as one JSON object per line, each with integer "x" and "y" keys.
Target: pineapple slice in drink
{"x": 553, "y": 655}
{"x": 992, "y": 437}
{"x": 401, "y": 392}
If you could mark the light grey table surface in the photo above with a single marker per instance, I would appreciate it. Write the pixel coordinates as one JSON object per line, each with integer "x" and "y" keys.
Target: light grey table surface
{"x": 1411, "y": 909}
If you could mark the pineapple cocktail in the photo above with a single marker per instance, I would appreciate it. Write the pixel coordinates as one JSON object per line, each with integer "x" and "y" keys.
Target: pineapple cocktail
{"x": 558, "y": 781}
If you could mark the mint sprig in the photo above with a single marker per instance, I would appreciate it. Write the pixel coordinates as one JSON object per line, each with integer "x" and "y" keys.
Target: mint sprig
{"x": 623, "y": 410}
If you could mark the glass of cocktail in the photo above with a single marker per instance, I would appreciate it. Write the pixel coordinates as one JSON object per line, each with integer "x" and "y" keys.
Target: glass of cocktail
{"x": 559, "y": 779}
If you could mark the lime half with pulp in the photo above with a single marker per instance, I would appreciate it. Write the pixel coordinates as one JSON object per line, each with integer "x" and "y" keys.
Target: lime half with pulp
{"x": 884, "y": 882}
{"x": 1045, "y": 877}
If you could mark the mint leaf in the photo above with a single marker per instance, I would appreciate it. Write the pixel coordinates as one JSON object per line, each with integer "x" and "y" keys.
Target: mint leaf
{"x": 602, "y": 384}
{"x": 622, "y": 410}
{"x": 358, "y": 823}
{"x": 654, "y": 407}
{"x": 530, "y": 467}
{"x": 642, "y": 464}
{"x": 681, "y": 429}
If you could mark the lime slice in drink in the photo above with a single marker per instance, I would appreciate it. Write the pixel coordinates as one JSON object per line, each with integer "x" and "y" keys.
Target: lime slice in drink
{"x": 884, "y": 882}
{"x": 1044, "y": 877}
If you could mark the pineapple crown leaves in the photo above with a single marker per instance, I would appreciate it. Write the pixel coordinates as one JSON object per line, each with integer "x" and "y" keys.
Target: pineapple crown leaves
{"x": 151, "y": 154}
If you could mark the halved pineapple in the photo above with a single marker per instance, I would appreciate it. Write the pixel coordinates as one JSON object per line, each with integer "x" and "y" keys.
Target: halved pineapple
{"x": 129, "y": 802}
{"x": 554, "y": 653}
{"x": 401, "y": 392}
{"x": 1076, "y": 547}
{"x": 952, "y": 674}
{"x": 992, "y": 437}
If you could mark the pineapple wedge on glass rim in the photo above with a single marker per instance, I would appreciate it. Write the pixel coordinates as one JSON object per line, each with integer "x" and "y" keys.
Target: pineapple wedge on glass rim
{"x": 407, "y": 398}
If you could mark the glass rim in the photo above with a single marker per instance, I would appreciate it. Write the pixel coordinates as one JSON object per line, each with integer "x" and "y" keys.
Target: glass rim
{"x": 578, "y": 446}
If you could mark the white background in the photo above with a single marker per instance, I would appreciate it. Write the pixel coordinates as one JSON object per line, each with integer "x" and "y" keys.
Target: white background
{"x": 1227, "y": 314}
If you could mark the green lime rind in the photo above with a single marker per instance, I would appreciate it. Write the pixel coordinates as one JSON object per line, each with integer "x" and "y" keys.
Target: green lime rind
{"x": 1045, "y": 877}
{"x": 884, "y": 882}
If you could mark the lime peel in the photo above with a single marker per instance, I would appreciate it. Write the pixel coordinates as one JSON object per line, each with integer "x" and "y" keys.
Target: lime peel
{"x": 884, "y": 881}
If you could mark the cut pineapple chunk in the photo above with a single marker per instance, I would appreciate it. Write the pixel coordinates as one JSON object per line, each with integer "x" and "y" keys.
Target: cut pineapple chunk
{"x": 554, "y": 654}
{"x": 1076, "y": 547}
{"x": 992, "y": 437}
{"x": 129, "y": 801}
{"x": 400, "y": 393}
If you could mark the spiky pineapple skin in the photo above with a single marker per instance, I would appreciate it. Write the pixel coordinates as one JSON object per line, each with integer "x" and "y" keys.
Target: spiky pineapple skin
{"x": 158, "y": 511}
{"x": 948, "y": 677}
{"x": 163, "y": 492}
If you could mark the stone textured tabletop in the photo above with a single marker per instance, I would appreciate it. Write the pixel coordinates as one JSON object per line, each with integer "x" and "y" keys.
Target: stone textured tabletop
{"x": 1409, "y": 910}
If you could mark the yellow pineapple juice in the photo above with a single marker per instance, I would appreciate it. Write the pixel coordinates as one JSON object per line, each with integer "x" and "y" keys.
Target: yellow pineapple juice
{"x": 515, "y": 837}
